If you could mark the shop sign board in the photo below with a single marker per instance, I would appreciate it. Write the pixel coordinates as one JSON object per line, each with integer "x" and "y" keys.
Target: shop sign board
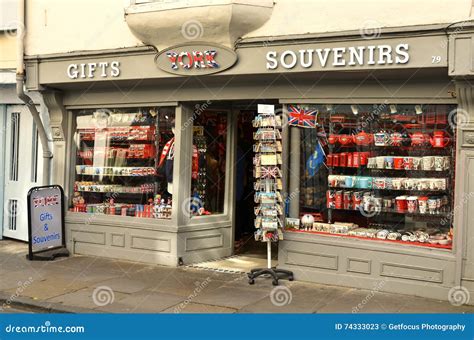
{"x": 91, "y": 70}
{"x": 45, "y": 221}
{"x": 264, "y": 108}
{"x": 196, "y": 59}
{"x": 339, "y": 56}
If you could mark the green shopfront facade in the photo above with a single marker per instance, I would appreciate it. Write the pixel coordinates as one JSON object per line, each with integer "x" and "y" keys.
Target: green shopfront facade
{"x": 103, "y": 102}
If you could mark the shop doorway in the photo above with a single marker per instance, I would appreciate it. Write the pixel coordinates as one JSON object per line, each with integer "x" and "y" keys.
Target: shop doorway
{"x": 244, "y": 191}
{"x": 21, "y": 169}
{"x": 247, "y": 253}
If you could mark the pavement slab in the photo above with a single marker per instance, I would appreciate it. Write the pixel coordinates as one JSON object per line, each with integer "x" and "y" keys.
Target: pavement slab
{"x": 143, "y": 302}
{"x": 84, "y": 298}
{"x": 69, "y": 284}
{"x": 231, "y": 297}
{"x": 193, "y": 308}
{"x": 46, "y": 289}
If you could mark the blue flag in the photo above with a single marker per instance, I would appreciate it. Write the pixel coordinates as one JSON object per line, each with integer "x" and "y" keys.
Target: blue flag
{"x": 315, "y": 161}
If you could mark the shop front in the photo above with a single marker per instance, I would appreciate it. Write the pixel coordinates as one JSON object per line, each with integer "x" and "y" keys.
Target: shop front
{"x": 374, "y": 159}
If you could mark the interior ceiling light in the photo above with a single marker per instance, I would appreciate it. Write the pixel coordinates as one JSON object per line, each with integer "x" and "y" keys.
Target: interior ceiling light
{"x": 418, "y": 109}
{"x": 355, "y": 109}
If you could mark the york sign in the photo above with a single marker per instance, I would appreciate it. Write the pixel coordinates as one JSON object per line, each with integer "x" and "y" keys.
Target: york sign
{"x": 196, "y": 59}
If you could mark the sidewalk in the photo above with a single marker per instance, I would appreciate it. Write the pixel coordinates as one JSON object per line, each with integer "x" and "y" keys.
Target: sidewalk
{"x": 87, "y": 284}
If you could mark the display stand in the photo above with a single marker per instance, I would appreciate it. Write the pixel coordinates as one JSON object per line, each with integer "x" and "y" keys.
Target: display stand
{"x": 273, "y": 272}
{"x": 268, "y": 186}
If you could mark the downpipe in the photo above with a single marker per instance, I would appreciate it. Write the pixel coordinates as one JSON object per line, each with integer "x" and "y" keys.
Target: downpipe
{"x": 20, "y": 82}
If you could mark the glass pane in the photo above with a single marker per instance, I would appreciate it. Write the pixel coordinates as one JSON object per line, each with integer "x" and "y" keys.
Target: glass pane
{"x": 380, "y": 172}
{"x": 209, "y": 163}
{"x": 14, "y": 145}
{"x": 124, "y": 162}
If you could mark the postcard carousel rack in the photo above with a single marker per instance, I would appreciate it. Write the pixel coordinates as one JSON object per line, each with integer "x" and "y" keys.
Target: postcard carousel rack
{"x": 268, "y": 186}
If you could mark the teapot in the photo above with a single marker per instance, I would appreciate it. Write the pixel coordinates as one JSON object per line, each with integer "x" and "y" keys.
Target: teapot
{"x": 362, "y": 138}
{"x": 419, "y": 138}
{"x": 439, "y": 139}
{"x": 332, "y": 139}
{"x": 345, "y": 139}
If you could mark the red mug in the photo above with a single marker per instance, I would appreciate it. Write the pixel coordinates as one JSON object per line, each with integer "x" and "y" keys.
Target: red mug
{"x": 343, "y": 159}
{"x": 356, "y": 199}
{"x": 330, "y": 199}
{"x": 347, "y": 200}
{"x": 338, "y": 199}
{"x": 335, "y": 160}
{"x": 350, "y": 158}
{"x": 398, "y": 163}
{"x": 356, "y": 159}
{"x": 329, "y": 159}
{"x": 402, "y": 204}
{"x": 364, "y": 158}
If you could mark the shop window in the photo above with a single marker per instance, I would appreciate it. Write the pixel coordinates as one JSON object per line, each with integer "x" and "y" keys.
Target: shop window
{"x": 124, "y": 162}
{"x": 209, "y": 163}
{"x": 379, "y": 172}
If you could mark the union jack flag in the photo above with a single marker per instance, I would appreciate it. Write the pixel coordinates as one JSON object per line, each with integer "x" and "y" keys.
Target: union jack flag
{"x": 301, "y": 117}
{"x": 270, "y": 172}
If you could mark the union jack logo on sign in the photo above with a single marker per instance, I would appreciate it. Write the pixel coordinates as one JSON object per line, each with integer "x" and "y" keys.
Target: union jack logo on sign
{"x": 301, "y": 117}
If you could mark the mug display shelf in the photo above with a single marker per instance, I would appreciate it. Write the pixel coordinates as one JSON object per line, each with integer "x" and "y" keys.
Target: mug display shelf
{"x": 120, "y": 191}
{"x": 411, "y": 148}
{"x": 391, "y": 189}
{"x": 132, "y": 171}
{"x": 400, "y": 242}
{"x": 371, "y": 214}
{"x": 364, "y": 168}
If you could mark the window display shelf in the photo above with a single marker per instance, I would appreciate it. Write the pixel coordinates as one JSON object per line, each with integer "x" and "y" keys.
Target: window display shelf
{"x": 412, "y": 149}
{"x": 115, "y": 171}
{"x": 418, "y": 244}
{"x": 392, "y": 167}
{"x": 374, "y": 213}
{"x": 122, "y": 164}
{"x": 396, "y": 190}
{"x": 124, "y": 190}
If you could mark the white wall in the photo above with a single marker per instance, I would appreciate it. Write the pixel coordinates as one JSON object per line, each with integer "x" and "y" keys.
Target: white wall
{"x": 56, "y": 26}
{"x": 317, "y": 16}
